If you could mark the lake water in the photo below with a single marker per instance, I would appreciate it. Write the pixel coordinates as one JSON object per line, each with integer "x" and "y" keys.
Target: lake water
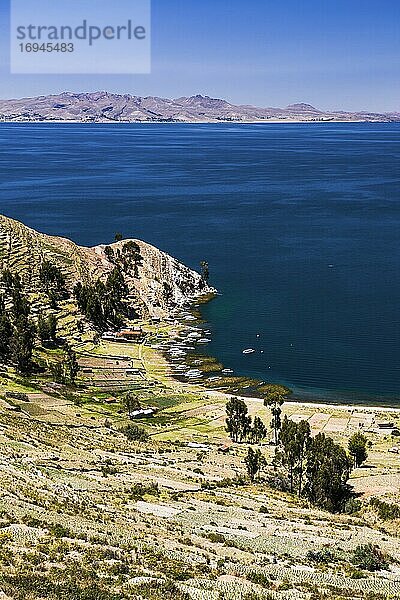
{"x": 300, "y": 225}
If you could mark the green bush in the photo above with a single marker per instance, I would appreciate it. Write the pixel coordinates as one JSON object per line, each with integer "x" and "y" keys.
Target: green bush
{"x": 216, "y": 538}
{"x": 369, "y": 558}
{"x": 258, "y": 578}
{"x": 59, "y": 531}
{"x": 320, "y": 556}
{"x": 386, "y": 511}
{"x": 352, "y": 505}
{"x": 140, "y": 489}
{"x": 27, "y": 585}
{"x": 134, "y": 433}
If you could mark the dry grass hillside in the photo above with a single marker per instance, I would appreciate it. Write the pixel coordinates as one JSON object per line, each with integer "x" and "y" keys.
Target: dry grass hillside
{"x": 87, "y": 514}
{"x": 91, "y": 510}
{"x": 160, "y": 282}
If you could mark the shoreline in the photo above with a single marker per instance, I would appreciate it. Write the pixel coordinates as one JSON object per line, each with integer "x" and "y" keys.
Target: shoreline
{"x": 217, "y": 390}
{"x": 252, "y": 122}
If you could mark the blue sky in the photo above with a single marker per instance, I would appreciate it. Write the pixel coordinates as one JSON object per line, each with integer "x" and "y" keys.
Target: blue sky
{"x": 330, "y": 53}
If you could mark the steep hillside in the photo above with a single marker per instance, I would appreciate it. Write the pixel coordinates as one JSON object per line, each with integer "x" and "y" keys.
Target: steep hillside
{"x": 157, "y": 284}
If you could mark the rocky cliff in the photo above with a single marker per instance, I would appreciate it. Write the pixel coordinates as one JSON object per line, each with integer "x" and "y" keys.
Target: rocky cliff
{"x": 158, "y": 284}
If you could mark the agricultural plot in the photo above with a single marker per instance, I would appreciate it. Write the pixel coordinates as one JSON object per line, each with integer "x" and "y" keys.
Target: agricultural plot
{"x": 81, "y": 503}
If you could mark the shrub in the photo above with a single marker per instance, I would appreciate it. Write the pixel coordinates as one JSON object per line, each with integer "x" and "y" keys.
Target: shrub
{"x": 386, "y": 511}
{"x": 28, "y": 585}
{"x": 253, "y": 596}
{"x": 134, "y": 433}
{"x": 59, "y": 531}
{"x": 216, "y": 538}
{"x": 139, "y": 490}
{"x": 108, "y": 468}
{"x": 352, "y": 505}
{"x": 18, "y": 396}
{"x": 320, "y": 556}
{"x": 370, "y": 558}
{"x": 258, "y": 578}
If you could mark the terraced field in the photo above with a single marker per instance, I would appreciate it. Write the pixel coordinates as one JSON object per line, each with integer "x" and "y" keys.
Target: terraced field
{"x": 88, "y": 514}
{"x": 86, "y": 511}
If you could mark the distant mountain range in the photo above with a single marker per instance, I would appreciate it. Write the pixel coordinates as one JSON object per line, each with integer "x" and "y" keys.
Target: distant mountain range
{"x": 103, "y": 107}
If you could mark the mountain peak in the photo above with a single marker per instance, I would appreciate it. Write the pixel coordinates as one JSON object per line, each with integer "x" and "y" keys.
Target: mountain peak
{"x": 303, "y": 107}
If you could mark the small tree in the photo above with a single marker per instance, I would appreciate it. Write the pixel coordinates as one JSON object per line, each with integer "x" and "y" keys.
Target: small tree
{"x": 327, "y": 472}
{"x": 14, "y": 289}
{"x": 358, "y": 449}
{"x": 303, "y": 442}
{"x": 294, "y": 440}
{"x": 58, "y": 372}
{"x": 205, "y": 272}
{"x": 118, "y": 237}
{"x": 22, "y": 344}
{"x": 274, "y": 400}
{"x": 254, "y": 462}
{"x": 47, "y": 329}
{"x": 134, "y": 433}
{"x": 66, "y": 370}
{"x": 370, "y": 557}
{"x": 71, "y": 364}
{"x": 131, "y": 257}
{"x": 258, "y": 431}
{"x": 6, "y": 332}
{"x": 238, "y": 422}
{"x": 53, "y": 281}
{"x": 287, "y": 455}
{"x": 131, "y": 403}
{"x": 109, "y": 252}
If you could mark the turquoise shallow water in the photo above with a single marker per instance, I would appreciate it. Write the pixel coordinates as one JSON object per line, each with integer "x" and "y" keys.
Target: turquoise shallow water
{"x": 300, "y": 224}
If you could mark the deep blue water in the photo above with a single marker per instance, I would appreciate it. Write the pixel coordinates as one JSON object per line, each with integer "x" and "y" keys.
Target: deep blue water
{"x": 271, "y": 207}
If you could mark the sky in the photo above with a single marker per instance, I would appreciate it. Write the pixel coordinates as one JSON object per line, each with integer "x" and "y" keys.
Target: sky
{"x": 333, "y": 54}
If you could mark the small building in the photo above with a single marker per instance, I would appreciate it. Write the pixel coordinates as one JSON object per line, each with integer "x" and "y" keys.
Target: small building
{"x": 224, "y": 449}
{"x": 110, "y": 400}
{"x": 394, "y": 450}
{"x": 142, "y": 413}
{"x": 198, "y": 446}
{"x": 131, "y": 335}
{"x": 135, "y": 334}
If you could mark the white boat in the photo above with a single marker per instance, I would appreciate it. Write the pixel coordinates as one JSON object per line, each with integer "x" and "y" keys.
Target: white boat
{"x": 193, "y": 373}
{"x": 227, "y": 371}
{"x": 203, "y": 341}
{"x": 249, "y": 351}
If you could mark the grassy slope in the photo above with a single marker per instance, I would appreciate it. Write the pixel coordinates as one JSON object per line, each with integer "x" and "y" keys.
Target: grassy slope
{"x": 72, "y": 516}
{"x": 70, "y": 506}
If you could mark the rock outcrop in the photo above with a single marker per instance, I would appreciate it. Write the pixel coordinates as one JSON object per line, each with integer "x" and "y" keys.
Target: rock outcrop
{"x": 159, "y": 285}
